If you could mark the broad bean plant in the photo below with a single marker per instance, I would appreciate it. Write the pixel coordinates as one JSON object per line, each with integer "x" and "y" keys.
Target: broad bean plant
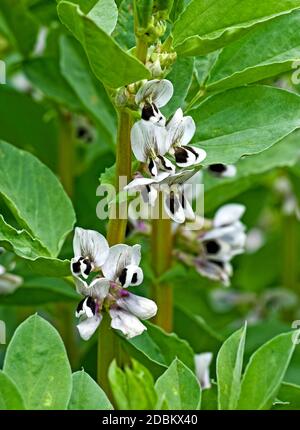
{"x": 149, "y": 204}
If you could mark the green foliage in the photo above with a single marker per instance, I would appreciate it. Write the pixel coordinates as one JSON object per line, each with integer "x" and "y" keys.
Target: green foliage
{"x": 132, "y": 388}
{"x": 178, "y": 388}
{"x": 10, "y": 398}
{"x": 37, "y": 353}
{"x": 86, "y": 394}
{"x": 111, "y": 65}
{"x": 220, "y": 22}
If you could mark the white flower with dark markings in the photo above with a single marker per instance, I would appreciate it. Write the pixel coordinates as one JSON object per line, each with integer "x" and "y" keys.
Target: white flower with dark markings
{"x": 222, "y": 170}
{"x": 151, "y": 96}
{"x": 149, "y": 145}
{"x": 181, "y": 130}
{"x": 202, "y": 364}
{"x": 116, "y": 269}
{"x": 225, "y": 240}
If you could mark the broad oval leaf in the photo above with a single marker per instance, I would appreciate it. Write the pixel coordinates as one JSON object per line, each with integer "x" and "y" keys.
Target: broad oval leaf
{"x": 178, "y": 388}
{"x": 244, "y": 121}
{"x": 10, "y": 398}
{"x": 111, "y": 65}
{"x": 265, "y": 372}
{"x": 36, "y": 360}
{"x": 105, "y": 14}
{"x": 229, "y": 369}
{"x": 285, "y": 153}
{"x": 263, "y": 52}
{"x": 219, "y": 22}
{"x": 86, "y": 394}
{"x": 36, "y": 198}
{"x": 288, "y": 397}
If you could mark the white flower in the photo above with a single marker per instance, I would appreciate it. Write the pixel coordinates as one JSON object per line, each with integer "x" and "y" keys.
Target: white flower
{"x": 151, "y": 96}
{"x": 127, "y": 323}
{"x": 222, "y": 170}
{"x": 149, "y": 145}
{"x": 8, "y": 282}
{"x": 90, "y": 252}
{"x": 214, "y": 270}
{"x": 180, "y": 132}
{"x": 228, "y": 237}
{"x": 141, "y": 307}
{"x": 202, "y": 363}
{"x": 122, "y": 265}
{"x": 119, "y": 267}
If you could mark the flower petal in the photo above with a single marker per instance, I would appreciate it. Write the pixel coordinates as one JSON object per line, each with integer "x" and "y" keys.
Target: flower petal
{"x": 147, "y": 140}
{"x": 156, "y": 91}
{"x": 88, "y": 326}
{"x": 90, "y": 244}
{"x": 131, "y": 275}
{"x": 228, "y": 214}
{"x": 222, "y": 170}
{"x": 141, "y": 307}
{"x": 173, "y": 207}
{"x": 127, "y": 323}
{"x": 202, "y": 363}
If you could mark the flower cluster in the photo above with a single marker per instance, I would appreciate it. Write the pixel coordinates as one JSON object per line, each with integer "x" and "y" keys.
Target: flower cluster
{"x": 164, "y": 147}
{"x": 102, "y": 275}
{"x": 218, "y": 244}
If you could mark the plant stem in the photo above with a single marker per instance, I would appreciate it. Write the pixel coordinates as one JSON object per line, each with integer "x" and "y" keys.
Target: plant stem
{"x": 162, "y": 294}
{"x": 66, "y": 152}
{"x": 108, "y": 342}
{"x": 141, "y": 49}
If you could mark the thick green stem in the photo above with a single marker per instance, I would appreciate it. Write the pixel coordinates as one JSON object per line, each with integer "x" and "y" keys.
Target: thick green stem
{"x": 108, "y": 342}
{"x": 141, "y": 50}
{"x": 66, "y": 153}
{"x": 162, "y": 294}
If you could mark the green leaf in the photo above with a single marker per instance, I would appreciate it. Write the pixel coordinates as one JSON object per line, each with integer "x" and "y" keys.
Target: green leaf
{"x": 111, "y": 65}
{"x": 288, "y": 396}
{"x": 244, "y": 121}
{"x": 161, "y": 348}
{"x": 35, "y": 197}
{"x": 10, "y": 398}
{"x": 44, "y": 73}
{"x": 41, "y": 138}
{"x": 75, "y": 69}
{"x": 143, "y": 12}
{"x": 219, "y": 22}
{"x": 181, "y": 78}
{"x": 263, "y": 52}
{"x": 133, "y": 388}
{"x": 41, "y": 290}
{"x": 21, "y": 23}
{"x": 178, "y": 388}
{"x": 105, "y": 14}
{"x": 229, "y": 369}
{"x": 36, "y": 360}
{"x": 265, "y": 372}
{"x": 86, "y": 394}
{"x": 285, "y": 153}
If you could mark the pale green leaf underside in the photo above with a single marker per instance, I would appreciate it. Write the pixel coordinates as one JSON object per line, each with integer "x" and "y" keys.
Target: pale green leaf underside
{"x": 219, "y": 22}
{"x": 86, "y": 394}
{"x": 244, "y": 121}
{"x": 111, "y": 65}
{"x": 263, "y": 52}
{"x": 178, "y": 388}
{"x": 36, "y": 360}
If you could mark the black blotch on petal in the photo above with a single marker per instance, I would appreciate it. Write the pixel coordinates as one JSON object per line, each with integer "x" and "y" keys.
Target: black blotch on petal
{"x": 192, "y": 151}
{"x": 91, "y": 304}
{"x": 122, "y": 277}
{"x": 163, "y": 162}
{"x": 217, "y": 168}
{"x": 181, "y": 155}
{"x": 80, "y": 306}
{"x": 151, "y": 166}
{"x": 212, "y": 247}
{"x": 148, "y": 112}
{"x": 172, "y": 203}
{"x": 134, "y": 278}
{"x": 88, "y": 268}
{"x": 76, "y": 267}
